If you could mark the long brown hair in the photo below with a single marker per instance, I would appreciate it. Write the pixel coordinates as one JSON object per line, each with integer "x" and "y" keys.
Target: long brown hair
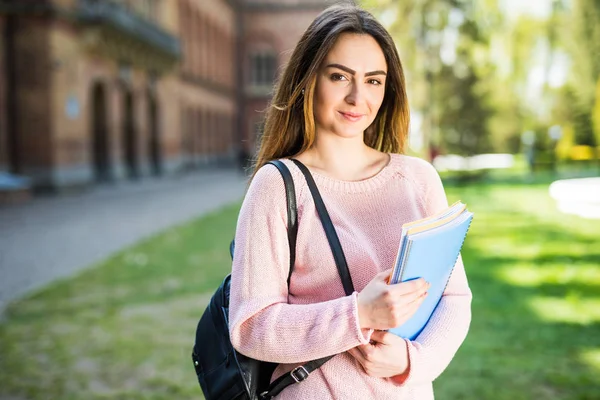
{"x": 290, "y": 126}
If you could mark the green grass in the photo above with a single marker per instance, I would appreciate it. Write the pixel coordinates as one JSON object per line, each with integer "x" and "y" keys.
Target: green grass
{"x": 535, "y": 276}
{"x": 123, "y": 329}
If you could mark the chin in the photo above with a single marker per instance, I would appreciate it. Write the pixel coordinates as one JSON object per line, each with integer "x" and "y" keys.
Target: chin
{"x": 349, "y": 133}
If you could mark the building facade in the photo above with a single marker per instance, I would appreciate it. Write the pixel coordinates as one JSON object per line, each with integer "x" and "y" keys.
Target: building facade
{"x": 207, "y": 81}
{"x": 271, "y": 30}
{"x": 3, "y": 108}
{"x": 106, "y": 90}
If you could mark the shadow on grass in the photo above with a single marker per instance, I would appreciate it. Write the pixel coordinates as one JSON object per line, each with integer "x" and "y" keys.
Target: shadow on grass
{"x": 514, "y": 350}
{"x": 124, "y": 329}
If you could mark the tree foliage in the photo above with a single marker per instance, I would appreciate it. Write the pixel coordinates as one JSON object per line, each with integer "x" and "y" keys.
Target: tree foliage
{"x": 480, "y": 75}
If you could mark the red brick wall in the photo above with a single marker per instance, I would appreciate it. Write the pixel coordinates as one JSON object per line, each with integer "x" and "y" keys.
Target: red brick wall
{"x": 3, "y": 137}
{"x": 279, "y": 30}
{"x": 208, "y": 80}
{"x": 33, "y": 117}
{"x": 199, "y": 99}
{"x": 77, "y": 70}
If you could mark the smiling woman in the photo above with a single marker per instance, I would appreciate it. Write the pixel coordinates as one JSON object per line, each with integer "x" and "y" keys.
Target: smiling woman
{"x": 341, "y": 109}
{"x": 347, "y": 100}
{"x": 344, "y": 78}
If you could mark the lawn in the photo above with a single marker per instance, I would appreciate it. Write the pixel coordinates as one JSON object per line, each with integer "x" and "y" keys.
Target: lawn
{"x": 123, "y": 329}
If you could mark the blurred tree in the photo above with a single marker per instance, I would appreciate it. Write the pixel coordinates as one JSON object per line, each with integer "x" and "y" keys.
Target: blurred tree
{"x": 563, "y": 111}
{"x": 584, "y": 130}
{"x": 429, "y": 34}
{"x": 463, "y": 89}
{"x": 463, "y": 122}
{"x": 565, "y": 143}
{"x": 596, "y": 116}
{"x": 581, "y": 37}
{"x": 583, "y": 41}
{"x": 480, "y": 74}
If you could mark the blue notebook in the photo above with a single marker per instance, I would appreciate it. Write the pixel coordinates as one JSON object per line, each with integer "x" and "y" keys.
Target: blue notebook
{"x": 429, "y": 249}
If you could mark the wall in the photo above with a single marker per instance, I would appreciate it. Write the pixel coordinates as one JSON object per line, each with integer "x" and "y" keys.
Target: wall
{"x": 32, "y": 63}
{"x": 207, "y": 81}
{"x": 279, "y": 27}
{"x": 3, "y": 110}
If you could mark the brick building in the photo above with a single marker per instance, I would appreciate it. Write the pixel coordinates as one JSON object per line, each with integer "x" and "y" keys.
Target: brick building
{"x": 3, "y": 109}
{"x": 101, "y": 90}
{"x": 271, "y": 30}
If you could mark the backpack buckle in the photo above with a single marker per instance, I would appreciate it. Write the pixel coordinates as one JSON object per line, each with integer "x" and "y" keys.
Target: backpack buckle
{"x": 299, "y": 374}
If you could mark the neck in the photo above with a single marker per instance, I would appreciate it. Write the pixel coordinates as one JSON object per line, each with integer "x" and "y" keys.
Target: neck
{"x": 340, "y": 158}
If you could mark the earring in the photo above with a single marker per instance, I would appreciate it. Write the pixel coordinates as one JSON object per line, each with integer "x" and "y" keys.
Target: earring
{"x": 303, "y": 92}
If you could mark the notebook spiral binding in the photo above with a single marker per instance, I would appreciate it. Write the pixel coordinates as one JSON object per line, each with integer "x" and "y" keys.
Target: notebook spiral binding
{"x": 455, "y": 261}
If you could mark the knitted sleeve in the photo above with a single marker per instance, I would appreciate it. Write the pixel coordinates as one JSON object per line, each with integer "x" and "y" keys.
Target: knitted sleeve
{"x": 262, "y": 324}
{"x": 431, "y": 352}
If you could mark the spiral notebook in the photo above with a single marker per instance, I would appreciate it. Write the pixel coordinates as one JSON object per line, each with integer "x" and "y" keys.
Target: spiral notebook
{"x": 429, "y": 249}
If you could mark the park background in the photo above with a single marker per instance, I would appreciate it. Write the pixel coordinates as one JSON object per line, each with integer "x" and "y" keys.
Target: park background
{"x": 505, "y": 101}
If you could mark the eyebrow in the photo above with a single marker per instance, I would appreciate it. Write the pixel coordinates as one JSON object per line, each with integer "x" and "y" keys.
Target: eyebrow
{"x": 353, "y": 72}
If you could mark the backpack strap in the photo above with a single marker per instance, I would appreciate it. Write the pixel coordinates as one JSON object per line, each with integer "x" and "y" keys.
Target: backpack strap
{"x": 302, "y": 372}
{"x": 332, "y": 237}
{"x": 292, "y": 211}
{"x": 292, "y": 214}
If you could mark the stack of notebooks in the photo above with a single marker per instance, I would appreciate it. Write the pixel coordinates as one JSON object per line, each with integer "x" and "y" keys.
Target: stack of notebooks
{"x": 429, "y": 249}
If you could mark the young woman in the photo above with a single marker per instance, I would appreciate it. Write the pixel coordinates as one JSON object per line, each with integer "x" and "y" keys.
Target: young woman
{"x": 340, "y": 108}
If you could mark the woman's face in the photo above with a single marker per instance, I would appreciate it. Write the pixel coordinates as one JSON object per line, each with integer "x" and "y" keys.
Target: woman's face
{"x": 350, "y": 86}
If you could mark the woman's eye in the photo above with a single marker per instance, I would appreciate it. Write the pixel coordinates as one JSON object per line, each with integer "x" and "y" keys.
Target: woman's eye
{"x": 337, "y": 77}
{"x": 374, "y": 82}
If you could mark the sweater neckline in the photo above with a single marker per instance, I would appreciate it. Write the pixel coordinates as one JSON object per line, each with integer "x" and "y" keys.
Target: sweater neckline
{"x": 367, "y": 184}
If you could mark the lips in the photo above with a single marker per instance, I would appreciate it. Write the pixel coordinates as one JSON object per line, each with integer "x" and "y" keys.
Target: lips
{"x": 350, "y": 116}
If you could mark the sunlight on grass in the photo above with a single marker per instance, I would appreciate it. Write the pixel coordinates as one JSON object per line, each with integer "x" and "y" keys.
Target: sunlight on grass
{"x": 123, "y": 328}
{"x": 529, "y": 275}
{"x": 572, "y": 309}
{"x": 591, "y": 357}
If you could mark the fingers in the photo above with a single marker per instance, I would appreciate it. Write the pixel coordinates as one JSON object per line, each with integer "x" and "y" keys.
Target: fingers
{"x": 368, "y": 362}
{"x": 416, "y": 286}
{"x": 383, "y": 306}
{"x": 384, "y": 275}
{"x": 358, "y": 355}
{"x": 387, "y": 339}
{"x": 364, "y": 352}
{"x": 417, "y": 299}
{"x": 406, "y": 308}
{"x": 382, "y": 337}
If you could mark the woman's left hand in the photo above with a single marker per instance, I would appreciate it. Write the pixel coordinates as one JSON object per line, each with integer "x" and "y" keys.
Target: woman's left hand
{"x": 385, "y": 356}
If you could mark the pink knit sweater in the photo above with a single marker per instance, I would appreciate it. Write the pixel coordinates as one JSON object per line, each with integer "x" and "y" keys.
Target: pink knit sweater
{"x": 316, "y": 319}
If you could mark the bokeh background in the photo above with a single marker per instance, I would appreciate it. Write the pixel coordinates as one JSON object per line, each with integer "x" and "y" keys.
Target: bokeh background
{"x": 127, "y": 129}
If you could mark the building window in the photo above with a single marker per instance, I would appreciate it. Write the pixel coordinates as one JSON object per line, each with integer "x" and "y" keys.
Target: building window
{"x": 263, "y": 67}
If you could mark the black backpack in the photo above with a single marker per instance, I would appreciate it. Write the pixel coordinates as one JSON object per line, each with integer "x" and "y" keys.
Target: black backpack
{"x": 223, "y": 372}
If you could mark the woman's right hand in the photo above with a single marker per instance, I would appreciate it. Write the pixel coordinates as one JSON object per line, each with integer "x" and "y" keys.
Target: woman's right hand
{"x": 383, "y": 306}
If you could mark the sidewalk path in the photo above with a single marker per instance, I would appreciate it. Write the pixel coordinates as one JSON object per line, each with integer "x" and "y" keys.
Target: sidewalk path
{"x": 54, "y": 237}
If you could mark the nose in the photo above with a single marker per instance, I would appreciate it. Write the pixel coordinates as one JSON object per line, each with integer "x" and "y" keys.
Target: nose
{"x": 355, "y": 95}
